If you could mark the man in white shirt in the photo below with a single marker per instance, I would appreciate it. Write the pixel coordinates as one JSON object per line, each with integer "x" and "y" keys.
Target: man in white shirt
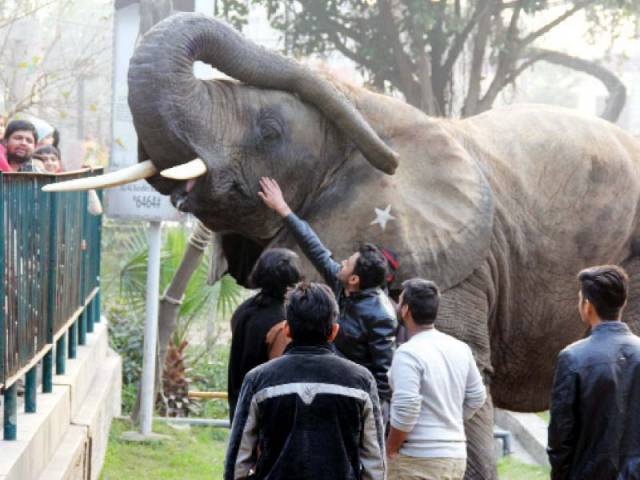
{"x": 436, "y": 386}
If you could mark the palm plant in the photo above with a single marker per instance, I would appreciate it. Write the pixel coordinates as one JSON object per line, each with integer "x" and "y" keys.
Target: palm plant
{"x": 183, "y": 273}
{"x": 201, "y": 301}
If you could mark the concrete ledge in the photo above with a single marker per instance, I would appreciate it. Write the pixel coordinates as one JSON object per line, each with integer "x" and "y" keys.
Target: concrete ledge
{"x": 56, "y": 442}
{"x": 71, "y": 458}
{"x": 38, "y": 436}
{"x": 529, "y": 429}
{"x": 81, "y": 370}
{"x": 98, "y": 409}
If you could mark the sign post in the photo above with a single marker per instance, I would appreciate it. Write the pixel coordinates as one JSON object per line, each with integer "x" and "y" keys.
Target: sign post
{"x": 138, "y": 200}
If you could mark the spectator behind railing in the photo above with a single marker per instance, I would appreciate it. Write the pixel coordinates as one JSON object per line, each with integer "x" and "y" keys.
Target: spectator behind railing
{"x": 4, "y": 165}
{"x": 50, "y": 157}
{"x": 20, "y": 138}
{"x": 52, "y": 138}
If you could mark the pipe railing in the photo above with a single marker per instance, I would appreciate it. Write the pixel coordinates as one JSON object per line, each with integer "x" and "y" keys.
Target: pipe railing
{"x": 50, "y": 296}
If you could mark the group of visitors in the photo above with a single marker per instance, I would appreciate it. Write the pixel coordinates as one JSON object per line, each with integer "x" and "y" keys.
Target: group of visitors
{"x": 339, "y": 397}
{"x": 317, "y": 388}
{"x": 22, "y": 149}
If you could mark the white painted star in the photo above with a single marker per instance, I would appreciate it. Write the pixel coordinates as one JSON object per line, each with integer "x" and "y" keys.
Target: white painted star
{"x": 383, "y": 217}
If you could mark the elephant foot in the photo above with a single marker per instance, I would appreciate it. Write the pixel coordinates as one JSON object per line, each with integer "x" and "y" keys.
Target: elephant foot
{"x": 481, "y": 462}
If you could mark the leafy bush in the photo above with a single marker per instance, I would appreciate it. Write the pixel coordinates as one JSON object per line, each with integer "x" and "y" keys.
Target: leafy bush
{"x": 126, "y": 338}
{"x": 210, "y": 374}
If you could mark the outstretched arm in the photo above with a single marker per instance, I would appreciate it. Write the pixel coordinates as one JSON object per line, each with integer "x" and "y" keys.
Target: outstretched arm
{"x": 316, "y": 252}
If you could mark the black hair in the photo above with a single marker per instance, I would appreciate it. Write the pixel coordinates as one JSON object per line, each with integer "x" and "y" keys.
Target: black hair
{"x": 311, "y": 312}
{"x": 47, "y": 150}
{"x": 371, "y": 266}
{"x": 17, "y": 125}
{"x": 56, "y": 138}
{"x": 423, "y": 298}
{"x": 606, "y": 287}
{"x": 276, "y": 270}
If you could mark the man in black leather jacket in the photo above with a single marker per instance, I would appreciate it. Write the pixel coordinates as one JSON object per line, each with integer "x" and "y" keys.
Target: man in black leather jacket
{"x": 367, "y": 317}
{"x": 594, "y": 433}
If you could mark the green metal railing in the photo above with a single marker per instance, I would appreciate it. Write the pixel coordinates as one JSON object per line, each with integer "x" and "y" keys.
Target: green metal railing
{"x": 50, "y": 256}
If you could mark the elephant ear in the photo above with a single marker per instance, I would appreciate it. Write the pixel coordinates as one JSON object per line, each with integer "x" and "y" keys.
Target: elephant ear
{"x": 435, "y": 213}
{"x": 445, "y": 209}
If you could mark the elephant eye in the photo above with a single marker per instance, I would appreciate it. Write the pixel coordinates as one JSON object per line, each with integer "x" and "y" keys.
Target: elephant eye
{"x": 269, "y": 130}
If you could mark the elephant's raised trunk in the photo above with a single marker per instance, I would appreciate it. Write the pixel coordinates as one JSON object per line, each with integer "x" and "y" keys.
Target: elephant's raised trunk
{"x": 162, "y": 88}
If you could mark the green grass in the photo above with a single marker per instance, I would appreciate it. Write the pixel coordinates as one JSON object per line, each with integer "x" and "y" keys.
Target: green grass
{"x": 193, "y": 454}
{"x": 198, "y": 454}
{"x": 511, "y": 469}
{"x": 544, "y": 416}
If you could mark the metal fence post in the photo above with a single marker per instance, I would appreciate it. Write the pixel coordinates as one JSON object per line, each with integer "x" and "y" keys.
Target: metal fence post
{"x": 82, "y": 328}
{"x": 61, "y": 355}
{"x": 3, "y": 332}
{"x": 73, "y": 339}
{"x": 47, "y": 372}
{"x": 10, "y": 412}
{"x": 96, "y": 310}
{"x": 89, "y": 310}
{"x": 30, "y": 390}
{"x": 53, "y": 272}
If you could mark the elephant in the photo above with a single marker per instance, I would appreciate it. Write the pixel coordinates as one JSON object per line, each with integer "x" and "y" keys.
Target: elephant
{"x": 501, "y": 209}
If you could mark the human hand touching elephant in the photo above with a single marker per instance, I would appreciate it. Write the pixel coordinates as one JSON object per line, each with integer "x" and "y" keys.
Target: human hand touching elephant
{"x": 272, "y": 196}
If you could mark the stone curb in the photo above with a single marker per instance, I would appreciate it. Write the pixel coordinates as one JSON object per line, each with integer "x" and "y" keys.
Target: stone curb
{"x": 529, "y": 429}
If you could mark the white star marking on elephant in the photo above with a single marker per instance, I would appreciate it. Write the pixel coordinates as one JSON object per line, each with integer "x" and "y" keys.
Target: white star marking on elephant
{"x": 383, "y": 217}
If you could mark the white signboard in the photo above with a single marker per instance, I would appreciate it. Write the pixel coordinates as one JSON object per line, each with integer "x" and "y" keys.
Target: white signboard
{"x": 137, "y": 201}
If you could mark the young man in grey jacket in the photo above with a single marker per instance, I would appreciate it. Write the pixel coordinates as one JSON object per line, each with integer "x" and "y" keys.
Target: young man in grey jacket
{"x": 436, "y": 386}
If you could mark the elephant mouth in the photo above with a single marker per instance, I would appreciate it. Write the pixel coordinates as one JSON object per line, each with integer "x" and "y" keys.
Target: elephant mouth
{"x": 182, "y": 198}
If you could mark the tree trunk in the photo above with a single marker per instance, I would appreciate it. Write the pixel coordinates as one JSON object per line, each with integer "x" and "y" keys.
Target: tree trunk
{"x": 172, "y": 299}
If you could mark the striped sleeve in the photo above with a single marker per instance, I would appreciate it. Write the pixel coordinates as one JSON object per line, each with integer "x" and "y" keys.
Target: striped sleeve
{"x": 241, "y": 452}
{"x": 372, "y": 455}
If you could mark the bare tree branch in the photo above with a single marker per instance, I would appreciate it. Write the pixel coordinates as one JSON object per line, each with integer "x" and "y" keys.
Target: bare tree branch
{"x": 477, "y": 61}
{"x": 482, "y": 10}
{"x": 404, "y": 64}
{"x": 554, "y": 23}
{"x": 617, "y": 91}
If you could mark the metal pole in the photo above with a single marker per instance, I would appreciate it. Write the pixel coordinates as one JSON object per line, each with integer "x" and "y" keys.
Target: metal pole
{"x": 61, "y": 354}
{"x": 96, "y": 310}
{"x": 150, "y": 328}
{"x": 10, "y": 412}
{"x": 73, "y": 339}
{"x": 89, "y": 310}
{"x": 30, "y": 390}
{"x": 47, "y": 372}
{"x": 82, "y": 328}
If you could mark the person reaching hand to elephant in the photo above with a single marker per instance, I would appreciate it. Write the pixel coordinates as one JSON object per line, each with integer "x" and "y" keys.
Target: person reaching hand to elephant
{"x": 367, "y": 317}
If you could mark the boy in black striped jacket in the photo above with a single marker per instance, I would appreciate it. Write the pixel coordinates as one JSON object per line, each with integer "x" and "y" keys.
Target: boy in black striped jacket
{"x": 308, "y": 414}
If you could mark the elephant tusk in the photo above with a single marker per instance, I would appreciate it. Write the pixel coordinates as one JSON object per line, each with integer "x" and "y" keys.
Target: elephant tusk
{"x": 112, "y": 179}
{"x": 193, "y": 169}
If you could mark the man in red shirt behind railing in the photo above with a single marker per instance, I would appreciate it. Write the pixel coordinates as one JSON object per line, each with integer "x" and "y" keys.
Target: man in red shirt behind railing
{"x": 4, "y": 165}
{"x": 20, "y": 139}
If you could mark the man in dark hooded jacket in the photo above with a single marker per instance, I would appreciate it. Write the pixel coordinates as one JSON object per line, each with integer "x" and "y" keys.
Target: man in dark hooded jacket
{"x": 367, "y": 317}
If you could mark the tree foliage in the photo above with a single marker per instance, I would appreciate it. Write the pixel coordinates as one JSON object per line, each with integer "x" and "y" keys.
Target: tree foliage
{"x": 46, "y": 48}
{"x": 445, "y": 57}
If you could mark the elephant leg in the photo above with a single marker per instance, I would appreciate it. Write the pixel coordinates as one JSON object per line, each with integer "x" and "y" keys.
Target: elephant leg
{"x": 631, "y": 314}
{"x": 464, "y": 314}
{"x": 481, "y": 462}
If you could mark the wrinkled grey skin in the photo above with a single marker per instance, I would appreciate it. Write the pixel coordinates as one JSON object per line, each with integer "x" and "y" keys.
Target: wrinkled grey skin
{"x": 501, "y": 209}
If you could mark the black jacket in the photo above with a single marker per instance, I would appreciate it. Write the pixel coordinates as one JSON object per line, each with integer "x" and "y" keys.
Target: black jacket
{"x": 304, "y": 416}
{"x": 250, "y": 324}
{"x": 594, "y": 432}
{"x": 367, "y": 318}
